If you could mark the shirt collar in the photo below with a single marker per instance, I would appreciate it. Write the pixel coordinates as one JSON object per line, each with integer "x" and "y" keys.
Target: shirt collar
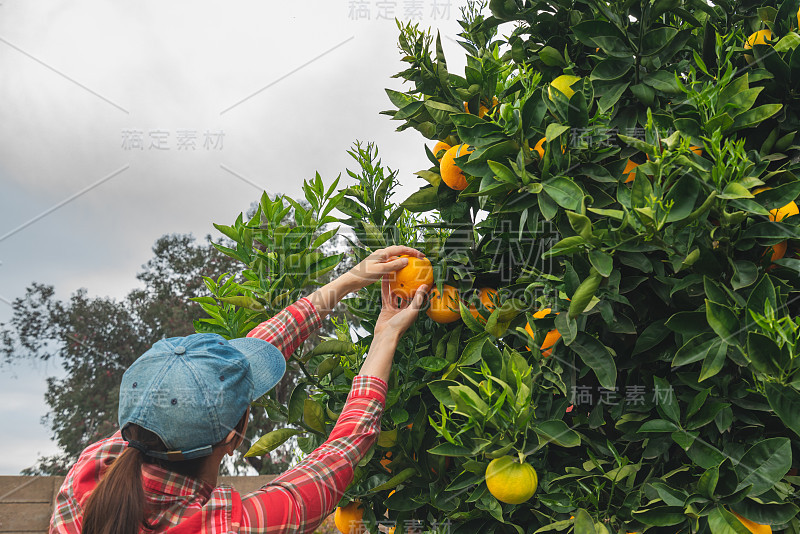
{"x": 156, "y": 479}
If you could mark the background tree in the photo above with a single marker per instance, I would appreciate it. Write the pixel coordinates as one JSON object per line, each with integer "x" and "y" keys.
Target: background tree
{"x": 96, "y": 339}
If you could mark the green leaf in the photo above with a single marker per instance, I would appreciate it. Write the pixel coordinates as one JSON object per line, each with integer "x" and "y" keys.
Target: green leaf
{"x": 567, "y": 327}
{"x": 584, "y": 523}
{"x": 469, "y": 320}
{"x": 764, "y": 464}
{"x": 243, "y": 302}
{"x": 425, "y": 199}
{"x": 786, "y": 403}
{"x": 754, "y": 117}
{"x": 603, "y": 262}
{"x": 551, "y": 57}
{"x": 441, "y": 390}
{"x": 721, "y": 521}
{"x": 331, "y": 346}
{"x": 598, "y": 357}
{"x": 650, "y": 337}
{"x": 557, "y": 432}
{"x": 554, "y": 131}
{"x": 713, "y": 362}
{"x": 314, "y": 415}
{"x": 658, "y": 425}
{"x": 760, "y": 351}
{"x": 723, "y": 321}
{"x": 296, "y": 402}
{"x": 660, "y": 516}
{"x": 684, "y": 195}
{"x": 584, "y": 293}
{"x": 744, "y": 274}
{"x": 448, "y": 449}
{"x": 669, "y": 404}
{"x": 432, "y": 363}
{"x": 503, "y": 173}
{"x": 271, "y": 441}
{"x": 564, "y": 191}
{"x": 396, "y": 480}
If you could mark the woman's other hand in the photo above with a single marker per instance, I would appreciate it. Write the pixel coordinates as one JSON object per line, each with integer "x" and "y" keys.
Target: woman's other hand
{"x": 395, "y": 318}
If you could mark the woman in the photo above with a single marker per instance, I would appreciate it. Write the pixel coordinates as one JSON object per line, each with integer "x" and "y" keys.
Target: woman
{"x": 184, "y": 405}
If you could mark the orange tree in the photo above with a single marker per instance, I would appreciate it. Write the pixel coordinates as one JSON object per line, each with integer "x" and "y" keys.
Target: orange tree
{"x": 670, "y": 401}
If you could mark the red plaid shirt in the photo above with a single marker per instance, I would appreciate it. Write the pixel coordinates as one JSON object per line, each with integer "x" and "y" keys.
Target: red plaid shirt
{"x": 296, "y": 501}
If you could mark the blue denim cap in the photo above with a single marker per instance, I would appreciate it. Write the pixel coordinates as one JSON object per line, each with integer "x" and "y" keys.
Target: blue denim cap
{"x": 192, "y": 391}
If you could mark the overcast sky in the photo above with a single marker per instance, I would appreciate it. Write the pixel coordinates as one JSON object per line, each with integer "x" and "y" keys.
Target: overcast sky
{"x": 269, "y": 92}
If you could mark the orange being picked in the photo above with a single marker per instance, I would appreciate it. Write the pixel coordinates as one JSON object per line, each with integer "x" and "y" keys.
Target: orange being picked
{"x": 349, "y": 519}
{"x": 438, "y": 147}
{"x": 549, "y": 339}
{"x": 510, "y": 481}
{"x": 404, "y": 283}
{"x": 487, "y": 296}
{"x": 451, "y": 173}
{"x": 752, "y": 526}
{"x": 444, "y": 307}
{"x": 630, "y": 171}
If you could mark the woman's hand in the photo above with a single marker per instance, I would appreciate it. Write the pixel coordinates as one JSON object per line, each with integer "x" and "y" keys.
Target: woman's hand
{"x": 373, "y": 267}
{"x": 379, "y": 263}
{"x": 393, "y": 321}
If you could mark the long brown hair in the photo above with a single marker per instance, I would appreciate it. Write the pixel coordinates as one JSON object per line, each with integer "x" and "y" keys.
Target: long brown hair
{"x": 117, "y": 505}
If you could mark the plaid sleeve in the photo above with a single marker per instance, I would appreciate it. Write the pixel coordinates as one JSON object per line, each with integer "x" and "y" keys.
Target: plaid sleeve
{"x": 290, "y": 327}
{"x": 298, "y": 500}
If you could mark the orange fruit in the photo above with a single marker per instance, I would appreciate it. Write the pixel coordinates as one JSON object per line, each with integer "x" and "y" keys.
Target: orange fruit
{"x": 786, "y": 211}
{"x": 778, "y": 251}
{"x": 760, "y": 37}
{"x": 451, "y": 174}
{"x": 486, "y": 295}
{"x": 386, "y": 460}
{"x": 563, "y": 84}
{"x": 438, "y": 147}
{"x": 444, "y": 307}
{"x": 539, "y": 147}
{"x": 780, "y": 213}
{"x": 483, "y": 109}
{"x": 350, "y": 518}
{"x": 510, "y": 481}
{"x": 629, "y": 170}
{"x": 404, "y": 283}
{"x": 752, "y": 526}
{"x": 549, "y": 339}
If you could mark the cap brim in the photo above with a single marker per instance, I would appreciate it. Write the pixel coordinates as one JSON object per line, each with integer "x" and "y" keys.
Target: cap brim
{"x": 266, "y": 362}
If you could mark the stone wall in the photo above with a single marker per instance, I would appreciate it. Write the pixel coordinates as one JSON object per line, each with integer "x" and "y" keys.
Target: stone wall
{"x": 26, "y": 503}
